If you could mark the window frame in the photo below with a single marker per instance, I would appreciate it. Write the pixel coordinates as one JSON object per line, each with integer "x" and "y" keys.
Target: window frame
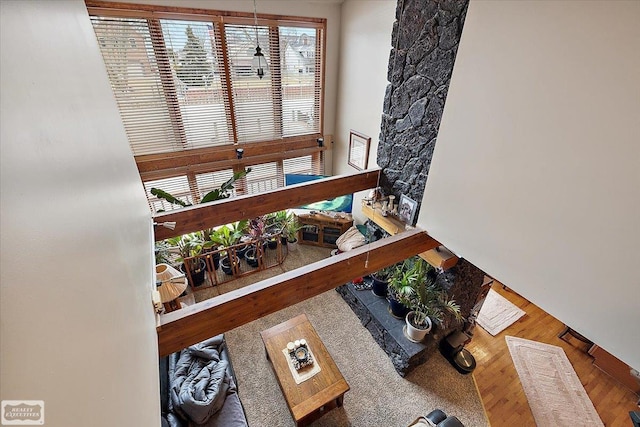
{"x": 192, "y": 162}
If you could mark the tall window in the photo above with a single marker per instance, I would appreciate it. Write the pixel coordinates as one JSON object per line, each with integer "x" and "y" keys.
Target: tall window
{"x": 188, "y": 96}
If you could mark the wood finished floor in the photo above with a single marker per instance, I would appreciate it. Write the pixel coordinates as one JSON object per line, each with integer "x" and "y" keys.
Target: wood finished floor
{"x": 500, "y": 388}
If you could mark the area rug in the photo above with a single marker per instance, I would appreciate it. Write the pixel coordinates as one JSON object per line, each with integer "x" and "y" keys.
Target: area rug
{"x": 497, "y": 313}
{"x": 378, "y": 396}
{"x": 553, "y": 389}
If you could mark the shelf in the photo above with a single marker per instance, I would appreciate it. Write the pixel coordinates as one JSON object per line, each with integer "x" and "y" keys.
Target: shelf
{"x": 439, "y": 257}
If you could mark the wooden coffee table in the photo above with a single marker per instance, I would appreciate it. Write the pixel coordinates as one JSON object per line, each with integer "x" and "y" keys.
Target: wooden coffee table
{"x": 314, "y": 397}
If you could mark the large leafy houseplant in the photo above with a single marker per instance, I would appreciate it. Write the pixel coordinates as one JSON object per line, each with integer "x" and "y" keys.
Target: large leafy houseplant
{"x": 429, "y": 300}
{"x": 229, "y": 234}
{"x": 402, "y": 284}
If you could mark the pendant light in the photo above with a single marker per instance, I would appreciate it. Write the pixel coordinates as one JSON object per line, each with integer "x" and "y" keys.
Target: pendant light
{"x": 259, "y": 64}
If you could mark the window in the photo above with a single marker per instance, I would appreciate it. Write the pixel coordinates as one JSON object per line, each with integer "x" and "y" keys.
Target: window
{"x": 188, "y": 96}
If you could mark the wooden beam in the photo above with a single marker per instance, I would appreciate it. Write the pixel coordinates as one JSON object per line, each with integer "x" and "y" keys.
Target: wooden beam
{"x": 202, "y": 217}
{"x": 190, "y": 325}
{"x": 225, "y": 153}
{"x": 235, "y": 163}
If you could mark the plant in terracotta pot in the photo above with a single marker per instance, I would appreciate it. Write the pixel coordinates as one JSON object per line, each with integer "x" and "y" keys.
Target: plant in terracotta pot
{"x": 429, "y": 303}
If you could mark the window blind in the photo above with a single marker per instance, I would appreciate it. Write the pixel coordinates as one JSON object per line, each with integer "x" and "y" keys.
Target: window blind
{"x": 185, "y": 82}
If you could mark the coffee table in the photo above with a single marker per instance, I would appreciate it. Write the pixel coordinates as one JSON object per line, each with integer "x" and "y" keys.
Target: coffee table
{"x": 319, "y": 394}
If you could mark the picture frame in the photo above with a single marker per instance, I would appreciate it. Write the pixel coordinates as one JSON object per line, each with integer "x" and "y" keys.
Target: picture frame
{"x": 407, "y": 209}
{"x": 359, "y": 150}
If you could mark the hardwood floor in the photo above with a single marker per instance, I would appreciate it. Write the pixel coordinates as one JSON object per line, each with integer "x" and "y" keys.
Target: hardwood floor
{"x": 500, "y": 388}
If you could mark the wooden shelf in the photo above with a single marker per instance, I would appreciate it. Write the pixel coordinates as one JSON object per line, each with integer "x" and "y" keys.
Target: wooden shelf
{"x": 388, "y": 223}
{"x": 440, "y": 257}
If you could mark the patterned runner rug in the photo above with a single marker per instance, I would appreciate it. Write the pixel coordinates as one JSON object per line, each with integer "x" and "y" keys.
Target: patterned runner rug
{"x": 497, "y": 313}
{"x": 553, "y": 389}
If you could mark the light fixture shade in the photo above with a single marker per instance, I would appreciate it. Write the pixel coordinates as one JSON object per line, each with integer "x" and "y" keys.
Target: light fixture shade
{"x": 259, "y": 63}
{"x": 173, "y": 283}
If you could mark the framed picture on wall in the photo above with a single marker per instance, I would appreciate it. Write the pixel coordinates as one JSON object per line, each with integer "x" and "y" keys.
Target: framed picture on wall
{"x": 407, "y": 209}
{"x": 359, "y": 150}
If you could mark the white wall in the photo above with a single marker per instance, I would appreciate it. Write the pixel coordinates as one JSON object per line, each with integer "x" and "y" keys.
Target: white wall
{"x": 536, "y": 173}
{"x": 364, "y": 54}
{"x": 77, "y": 329}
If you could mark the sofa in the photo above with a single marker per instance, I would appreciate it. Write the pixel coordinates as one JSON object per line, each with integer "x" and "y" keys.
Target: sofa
{"x": 198, "y": 387}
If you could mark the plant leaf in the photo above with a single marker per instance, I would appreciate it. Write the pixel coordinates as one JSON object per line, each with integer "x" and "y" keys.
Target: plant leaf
{"x": 168, "y": 197}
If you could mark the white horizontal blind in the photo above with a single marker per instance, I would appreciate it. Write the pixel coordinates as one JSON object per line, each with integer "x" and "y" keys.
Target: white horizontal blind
{"x": 213, "y": 180}
{"x": 300, "y": 68}
{"x": 129, "y": 56}
{"x": 264, "y": 177}
{"x": 253, "y": 98}
{"x": 299, "y": 165}
{"x": 177, "y": 186}
{"x": 196, "y": 70}
{"x": 166, "y": 78}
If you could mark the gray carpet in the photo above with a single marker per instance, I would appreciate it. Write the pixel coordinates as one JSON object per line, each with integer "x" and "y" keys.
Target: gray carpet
{"x": 378, "y": 395}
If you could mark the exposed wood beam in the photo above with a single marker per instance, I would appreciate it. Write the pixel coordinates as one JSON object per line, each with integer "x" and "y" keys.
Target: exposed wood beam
{"x": 246, "y": 161}
{"x": 156, "y": 162}
{"x": 190, "y": 325}
{"x": 202, "y": 217}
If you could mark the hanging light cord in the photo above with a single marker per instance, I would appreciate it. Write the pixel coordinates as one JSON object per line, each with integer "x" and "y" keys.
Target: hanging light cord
{"x": 373, "y": 216}
{"x": 255, "y": 21}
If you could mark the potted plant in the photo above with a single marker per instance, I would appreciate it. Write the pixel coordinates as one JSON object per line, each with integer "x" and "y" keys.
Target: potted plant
{"x": 252, "y": 256}
{"x": 256, "y": 229}
{"x": 380, "y": 281}
{"x": 275, "y": 224}
{"x": 401, "y": 287}
{"x": 226, "y": 237}
{"x": 429, "y": 303}
{"x": 291, "y": 228}
{"x": 190, "y": 248}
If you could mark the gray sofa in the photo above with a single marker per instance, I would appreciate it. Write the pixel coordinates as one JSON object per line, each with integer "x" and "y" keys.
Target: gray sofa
{"x": 198, "y": 387}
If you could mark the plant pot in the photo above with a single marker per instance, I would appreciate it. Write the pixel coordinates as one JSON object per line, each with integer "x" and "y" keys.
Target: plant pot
{"x": 272, "y": 243}
{"x": 225, "y": 264}
{"x": 251, "y": 257}
{"x": 414, "y": 333}
{"x": 397, "y": 309}
{"x": 240, "y": 250}
{"x": 197, "y": 275}
{"x": 379, "y": 287}
{"x": 215, "y": 256}
{"x": 292, "y": 246}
